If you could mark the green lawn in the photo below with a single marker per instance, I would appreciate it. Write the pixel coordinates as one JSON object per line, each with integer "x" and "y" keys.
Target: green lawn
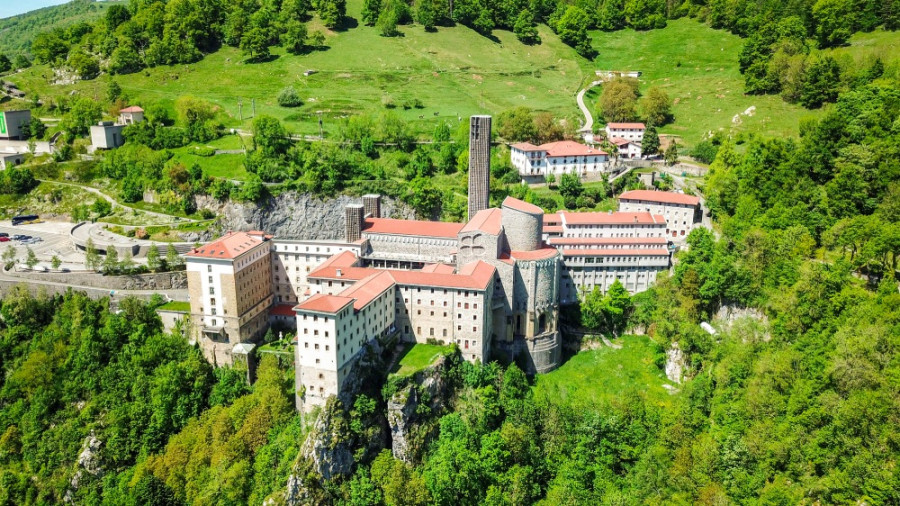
{"x": 418, "y": 357}
{"x": 176, "y": 305}
{"x": 229, "y": 166}
{"x": 602, "y": 374}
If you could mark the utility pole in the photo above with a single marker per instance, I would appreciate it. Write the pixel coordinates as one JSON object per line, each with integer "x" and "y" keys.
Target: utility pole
{"x": 321, "y": 131}
{"x": 241, "y": 109}
{"x": 253, "y": 103}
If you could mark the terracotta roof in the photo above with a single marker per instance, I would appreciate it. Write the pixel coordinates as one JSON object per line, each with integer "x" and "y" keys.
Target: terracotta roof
{"x": 553, "y": 229}
{"x": 538, "y": 254}
{"x": 617, "y": 218}
{"x": 552, "y": 219}
{"x": 411, "y": 227}
{"x": 366, "y": 290}
{"x": 627, "y": 125}
{"x": 347, "y": 273}
{"x": 563, "y": 241}
{"x": 480, "y": 272}
{"x": 133, "y": 108}
{"x": 282, "y": 310}
{"x": 439, "y": 268}
{"x": 486, "y": 220}
{"x": 570, "y": 148}
{"x": 470, "y": 276}
{"x": 662, "y": 197}
{"x": 229, "y": 246}
{"x": 520, "y": 205}
{"x": 618, "y": 141}
{"x": 525, "y": 146}
{"x": 609, "y": 252}
{"x": 320, "y": 303}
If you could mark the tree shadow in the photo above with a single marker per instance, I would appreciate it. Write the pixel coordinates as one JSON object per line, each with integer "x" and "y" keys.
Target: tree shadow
{"x": 263, "y": 59}
{"x": 348, "y": 23}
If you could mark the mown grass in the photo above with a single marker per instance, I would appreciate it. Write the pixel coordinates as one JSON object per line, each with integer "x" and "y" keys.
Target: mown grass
{"x": 176, "y": 305}
{"x": 600, "y": 375}
{"x": 418, "y": 357}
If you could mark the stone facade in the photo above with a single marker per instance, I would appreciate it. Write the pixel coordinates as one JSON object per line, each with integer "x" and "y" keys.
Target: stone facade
{"x": 479, "y": 163}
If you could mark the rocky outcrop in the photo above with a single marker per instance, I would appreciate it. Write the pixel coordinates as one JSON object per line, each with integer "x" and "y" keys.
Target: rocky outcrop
{"x": 676, "y": 363}
{"x": 294, "y": 214}
{"x": 155, "y": 281}
{"x": 422, "y": 399}
{"x": 89, "y": 461}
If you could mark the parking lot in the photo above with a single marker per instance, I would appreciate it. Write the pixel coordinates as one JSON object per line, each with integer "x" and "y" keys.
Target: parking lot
{"x": 55, "y": 241}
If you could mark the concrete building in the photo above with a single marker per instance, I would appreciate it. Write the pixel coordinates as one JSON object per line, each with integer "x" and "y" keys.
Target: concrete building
{"x": 15, "y": 124}
{"x": 681, "y": 212}
{"x": 628, "y": 131}
{"x": 11, "y": 160}
{"x": 479, "y": 163}
{"x": 107, "y": 135}
{"x": 557, "y": 158}
{"x": 131, "y": 115}
{"x": 230, "y": 288}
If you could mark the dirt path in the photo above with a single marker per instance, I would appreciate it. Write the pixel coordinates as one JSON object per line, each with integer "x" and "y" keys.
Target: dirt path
{"x": 588, "y": 117}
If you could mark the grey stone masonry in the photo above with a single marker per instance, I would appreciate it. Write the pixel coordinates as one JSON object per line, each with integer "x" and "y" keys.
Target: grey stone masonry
{"x": 479, "y": 163}
{"x": 353, "y": 222}
{"x": 372, "y": 205}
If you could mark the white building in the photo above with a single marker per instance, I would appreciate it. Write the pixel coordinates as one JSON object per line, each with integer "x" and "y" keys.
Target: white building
{"x": 627, "y": 149}
{"x": 107, "y": 135}
{"x": 557, "y": 158}
{"x": 681, "y": 212}
{"x": 11, "y": 160}
{"x": 131, "y": 115}
{"x": 627, "y": 131}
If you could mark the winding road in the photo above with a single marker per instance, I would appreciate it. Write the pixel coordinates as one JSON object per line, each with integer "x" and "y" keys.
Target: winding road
{"x": 588, "y": 117}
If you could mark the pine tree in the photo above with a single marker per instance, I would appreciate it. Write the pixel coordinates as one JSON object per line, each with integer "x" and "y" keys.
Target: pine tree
{"x": 31, "y": 259}
{"x": 111, "y": 262}
{"x": 153, "y": 262}
{"x": 173, "y": 259}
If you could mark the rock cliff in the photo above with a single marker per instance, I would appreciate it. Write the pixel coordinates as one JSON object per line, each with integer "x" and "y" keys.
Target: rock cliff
{"x": 293, "y": 214}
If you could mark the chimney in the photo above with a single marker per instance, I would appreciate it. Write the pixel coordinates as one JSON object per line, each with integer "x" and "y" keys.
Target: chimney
{"x": 353, "y": 222}
{"x": 372, "y": 205}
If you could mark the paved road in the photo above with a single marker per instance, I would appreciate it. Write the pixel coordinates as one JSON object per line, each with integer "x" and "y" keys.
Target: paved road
{"x": 588, "y": 117}
{"x": 55, "y": 242}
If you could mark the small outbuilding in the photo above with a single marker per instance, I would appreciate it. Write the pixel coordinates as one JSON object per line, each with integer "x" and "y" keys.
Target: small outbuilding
{"x": 107, "y": 135}
{"x": 14, "y": 124}
{"x": 131, "y": 115}
{"x": 11, "y": 160}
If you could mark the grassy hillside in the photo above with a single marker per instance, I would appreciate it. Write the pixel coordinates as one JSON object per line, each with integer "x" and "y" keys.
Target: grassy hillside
{"x": 456, "y": 72}
{"x": 17, "y": 32}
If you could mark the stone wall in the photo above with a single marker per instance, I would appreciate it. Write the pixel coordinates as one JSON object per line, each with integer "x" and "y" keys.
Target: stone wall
{"x": 294, "y": 214}
{"x": 157, "y": 281}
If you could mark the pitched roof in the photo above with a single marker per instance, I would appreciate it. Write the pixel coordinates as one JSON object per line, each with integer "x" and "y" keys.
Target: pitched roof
{"x": 368, "y": 289}
{"x": 486, "y": 220}
{"x": 609, "y": 252}
{"x": 626, "y": 125}
{"x": 617, "y": 218}
{"x": 552, "y": 219}
{"x": 662, "y": 197}
{"x": 618, "y": 141}
{"x": 411, "y": 227}
{"x": 439, "y": 268}
{"x": 472, "y": 276}
{"x": 521, "y": 205}
{"x": 538, "y": 254}
{"x": 570, "y": 148}
{"x": 229, "y": 246}
{"x": 133, "y": 108}
{"x": 553, "y": 229}
{"x": 321, "y": 303}
{"x": 282, "y": 310}
{"x": 599, "y": 241}
{"x": 525, "y": 146}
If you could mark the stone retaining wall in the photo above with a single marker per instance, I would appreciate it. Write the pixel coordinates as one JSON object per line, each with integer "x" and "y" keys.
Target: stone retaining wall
{"x": 156, "y": 281}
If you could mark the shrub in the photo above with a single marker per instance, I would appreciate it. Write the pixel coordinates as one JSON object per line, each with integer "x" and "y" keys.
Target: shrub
{"x": 289, "y": 97}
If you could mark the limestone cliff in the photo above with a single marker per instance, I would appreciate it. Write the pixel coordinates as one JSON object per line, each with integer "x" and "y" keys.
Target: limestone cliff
{"x": 413, "y": 410}
{"x": 294, "y": 214}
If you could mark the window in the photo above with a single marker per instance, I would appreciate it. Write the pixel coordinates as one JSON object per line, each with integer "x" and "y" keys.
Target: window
{"x": 213, "y": 322}
{"x": 317, "y": 346}
{"x": 212, "y": 290}
{"x": 212, "y": 301}
{"x": 306, "y": 345}
{"x": 209, "y": 268}
{"x": 213, "y": 311}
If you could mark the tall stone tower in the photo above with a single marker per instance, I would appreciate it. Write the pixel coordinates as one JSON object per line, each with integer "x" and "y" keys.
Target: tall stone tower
{"x": 353, "y": 222}
{"x": 479, "y": 163}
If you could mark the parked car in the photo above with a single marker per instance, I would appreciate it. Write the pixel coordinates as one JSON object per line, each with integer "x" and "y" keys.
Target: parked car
{"x": 4, "y": 234}
{"x": 4, "y": 238}
{"x": 17, "y": 237}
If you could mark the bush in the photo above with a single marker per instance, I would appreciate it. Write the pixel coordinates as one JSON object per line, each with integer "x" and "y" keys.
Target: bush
{"x": 705, "y": 152}
{"x": 289, "y": 97}
{"x": 204, "y": 151}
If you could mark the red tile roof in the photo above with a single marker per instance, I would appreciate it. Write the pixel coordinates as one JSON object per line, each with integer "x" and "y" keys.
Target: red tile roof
{"x": 133, "y": 108}
{"x": 282, "y": 310}
{"x": 320, "y": 303}
{"x": 618, "y": 141}
{"x": 661, "y": 197}
{"x": 552, "y": 219}
{"x": 472, "y": 276}
{"x": 617, "y": 218}
{"x": 609, "y": 252}
{"x": 560, "y": 148}
{"x": 486, "y": 220}
{"x": 553, "y": 229}
{"x": 411, "y": 227}
{"x": 626, "y": 125}
{"x": 521, "y": 205}
{"x": 538, "y": 254}
{"x": 229, "y": 246}
{"x": 564, "y": 241}
{"x": 570, "y": 148}
{"x": 439, "y": 268}
{"x": 368, "y": 289}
